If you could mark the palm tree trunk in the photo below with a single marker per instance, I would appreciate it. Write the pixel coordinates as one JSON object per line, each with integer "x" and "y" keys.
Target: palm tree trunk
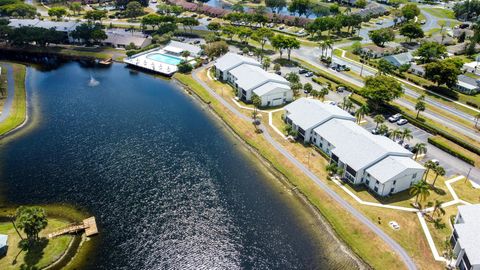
{"x": 434, "y": 180}
{"x": 16, "y": 229}
{"x": 426, "y": 174}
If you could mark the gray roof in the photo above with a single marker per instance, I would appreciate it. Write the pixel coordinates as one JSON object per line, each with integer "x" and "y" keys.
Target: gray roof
{"x": 59, "y": 26}
{"x": 467, "y": 82}
{"x": 356, "y": 146}
{"x": 119, "y": 38}
{"x": 392, "y": 167}
{"x": 469, "y": 232}
{"x": 399, "y": 59}
{"x": 193, "y": 49}
{"x": 269, "y": 87}
{"x": 3, "y": 240}
{"x": 250, "y": 77}
{"x": 233, "y": 60}
{"x": 309, "y": 113}
{"x": 15, "y": 23}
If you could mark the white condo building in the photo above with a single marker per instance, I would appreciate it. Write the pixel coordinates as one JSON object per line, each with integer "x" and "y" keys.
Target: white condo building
{"x": 465, "y": 239}
{"x": 382, "y": 165}
{"x": 248, "y": 78}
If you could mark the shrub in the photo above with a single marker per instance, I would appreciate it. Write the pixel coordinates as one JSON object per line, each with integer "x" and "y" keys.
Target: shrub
{"x": 184, "y": 67}
{"x": 445, "y": 147}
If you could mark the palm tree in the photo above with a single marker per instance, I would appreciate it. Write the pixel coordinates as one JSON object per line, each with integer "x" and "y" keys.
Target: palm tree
{"x": 382, "y": 129}
{"x": 406, "y": 134}
{"x": 322, "y": 46}
{"x": 331, "y": 169}
{"x": 421, "y": 190}
{"x": 361, "y": 112}
{"x": 395, "y": 134}
{"x": 347, "y": 104}
{"x": 430, "y": 166}
{"x": 419, "y": 107}
{"x": 419, "y": 148}
{"x": 185, "y": 54}
{"x": 439, "y": 170}
{"x": 329, "y": 45}
{"x": 438, "y": 209}
{"x": 378, "y": 119}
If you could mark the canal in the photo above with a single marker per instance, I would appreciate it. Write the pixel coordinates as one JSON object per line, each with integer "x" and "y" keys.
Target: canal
{"x": 170, "y": 188}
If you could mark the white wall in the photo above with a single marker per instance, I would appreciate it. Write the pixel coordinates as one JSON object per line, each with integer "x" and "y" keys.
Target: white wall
{"x": 277, "y": 97}
{"x": 402, "y": 182}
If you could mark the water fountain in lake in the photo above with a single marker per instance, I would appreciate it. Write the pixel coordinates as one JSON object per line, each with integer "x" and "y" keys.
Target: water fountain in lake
{"x": 93, "y": 82}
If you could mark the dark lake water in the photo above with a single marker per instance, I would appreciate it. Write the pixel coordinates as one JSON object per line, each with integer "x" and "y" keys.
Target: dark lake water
{"x": 169, "y": 188}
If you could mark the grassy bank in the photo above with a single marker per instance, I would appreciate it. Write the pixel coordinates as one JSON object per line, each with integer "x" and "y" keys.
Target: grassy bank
{"x": 362, "y": 241}
{"x": 18, "y": 111}
{"x": 46, "y": 251}
{"x": 72, "y": 52}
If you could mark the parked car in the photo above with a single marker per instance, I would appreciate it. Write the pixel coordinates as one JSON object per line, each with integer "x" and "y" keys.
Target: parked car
{"x": 278, "y": 72}
{"x": 309, "y": 74}
{"x": 302, "y": 71}
{"x": 402, "y": 122}
{"x": 423, "y": 22}
{"x": 340, "y": 89}
{"x": 196, "y": 42}
{"x": 407, "y": 146}
{"x": 435, "y": 161}
{"x": 374, "y": 131}
{"x": 394, "y": 118}
{"x": 379, "y": 23}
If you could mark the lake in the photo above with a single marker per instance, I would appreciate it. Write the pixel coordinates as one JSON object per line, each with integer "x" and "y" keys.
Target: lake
{"x": 170, "y": 188}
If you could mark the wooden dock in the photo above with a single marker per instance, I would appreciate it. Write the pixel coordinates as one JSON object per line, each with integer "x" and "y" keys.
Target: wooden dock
{"x": 106, "y": 62}
{"x": 88, "y": 225}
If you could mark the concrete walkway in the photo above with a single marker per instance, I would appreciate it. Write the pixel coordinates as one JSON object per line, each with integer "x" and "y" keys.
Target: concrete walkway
{"x": 353, "y": 211}
{"x": 10, "y": 93}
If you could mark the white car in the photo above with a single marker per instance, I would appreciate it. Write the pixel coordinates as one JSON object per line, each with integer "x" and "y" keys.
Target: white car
{"x": 394, "y": 225}
{"x": 435, "y": 161}
{"x": 394, "y": 118}
{"x": 402, "y": 122}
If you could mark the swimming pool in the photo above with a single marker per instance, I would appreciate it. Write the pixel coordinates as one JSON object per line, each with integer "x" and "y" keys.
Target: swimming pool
{"x": 167, "y": 59}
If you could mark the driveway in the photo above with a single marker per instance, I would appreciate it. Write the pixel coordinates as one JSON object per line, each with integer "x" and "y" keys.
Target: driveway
{"x": 353, "y": 211}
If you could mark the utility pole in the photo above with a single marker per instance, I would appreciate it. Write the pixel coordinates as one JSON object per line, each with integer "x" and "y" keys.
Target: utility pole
{"x": 468, "y": 174}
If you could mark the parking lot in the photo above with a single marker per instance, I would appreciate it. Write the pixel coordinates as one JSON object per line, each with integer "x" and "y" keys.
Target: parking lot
{"x": 451, "y": 164}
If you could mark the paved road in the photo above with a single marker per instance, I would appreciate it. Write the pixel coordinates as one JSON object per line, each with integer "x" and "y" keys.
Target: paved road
{"x": 352, "y": 211}
{"x": 311, "y": 55}
{"x": 10, "y": 93}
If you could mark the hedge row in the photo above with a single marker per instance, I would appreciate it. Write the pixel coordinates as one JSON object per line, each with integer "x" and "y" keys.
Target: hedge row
{"x": 411, "y": 119}
{"x": 473, "y": 104}
{"x": 445, "y": 147}
{"x": 436, "y": 131}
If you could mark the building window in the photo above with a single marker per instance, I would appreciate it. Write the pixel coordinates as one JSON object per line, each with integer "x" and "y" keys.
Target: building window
{"x": 414, "y": 176}
{"x": 321, "y": 145}
{"x": 392, "y": 190}
{"x": 367, "y": 182}
{"x": 394, "y": 182}
{"x": 375, "y": 189}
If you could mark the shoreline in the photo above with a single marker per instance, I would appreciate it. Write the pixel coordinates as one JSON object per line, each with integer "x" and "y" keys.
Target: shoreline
{"x": 283, "y": 180}
{"x": 74, "y": 247}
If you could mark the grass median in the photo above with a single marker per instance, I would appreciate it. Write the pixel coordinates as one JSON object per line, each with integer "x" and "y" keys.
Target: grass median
{"x": 18, "y": 110}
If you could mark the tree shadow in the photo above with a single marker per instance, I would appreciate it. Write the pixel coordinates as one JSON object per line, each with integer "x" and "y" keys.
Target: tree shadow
{"x": 34, "y": 253}
{"x": 439, "y": 191}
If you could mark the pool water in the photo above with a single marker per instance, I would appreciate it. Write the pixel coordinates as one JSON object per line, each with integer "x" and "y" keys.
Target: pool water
{"x": 167, "y": 59}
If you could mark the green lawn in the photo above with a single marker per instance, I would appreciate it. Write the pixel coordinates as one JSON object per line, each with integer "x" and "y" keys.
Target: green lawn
{"x": 18, "y": 110}
{"x": 441, "y": 12}
{"x": 41, "y": 254}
